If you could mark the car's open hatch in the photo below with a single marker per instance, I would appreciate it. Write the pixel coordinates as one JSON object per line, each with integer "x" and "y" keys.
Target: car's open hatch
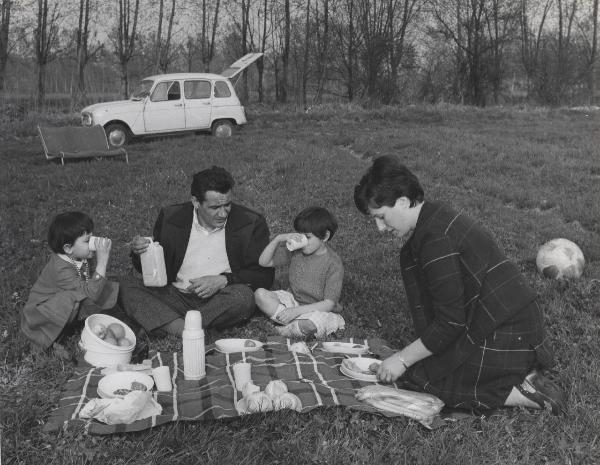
{"x": 240, "y": 65}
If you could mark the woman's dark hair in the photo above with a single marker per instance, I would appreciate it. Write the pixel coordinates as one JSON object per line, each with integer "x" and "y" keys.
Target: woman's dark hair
{"x": 66, "y": 227}
{"x": 386, "y": 181}
{"x": 317, "y": 221}
{"x": 211, "y": 179}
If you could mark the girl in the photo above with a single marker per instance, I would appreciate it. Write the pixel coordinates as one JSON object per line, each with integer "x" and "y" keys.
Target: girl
{"x": 66, "y": 291}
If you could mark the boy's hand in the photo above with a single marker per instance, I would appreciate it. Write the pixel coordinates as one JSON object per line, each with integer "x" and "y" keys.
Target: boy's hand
{"x": 103, "y": 246}
{"x": 391, "y": 369}
{"x": 293, "y": 236}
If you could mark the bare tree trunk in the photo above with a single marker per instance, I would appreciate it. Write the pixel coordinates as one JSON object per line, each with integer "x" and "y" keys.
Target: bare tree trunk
{"x": 245, "y": 25}
{"x": 46, "y": 34}
{"x": 78, "y": 91}
{"x": 285, "y": 57}
{"x": 158, "y": 38}
{"x": 322, "y": 62}
{"x": 260, "y": 64}
{"x": 4, "y": 29}
{"x": 207, "y": 46}
{"x": 165, "y": 56}
{"x": 593, "y": 55}
{"x": 125, "y": 40}
{"x": 306, "y": 54}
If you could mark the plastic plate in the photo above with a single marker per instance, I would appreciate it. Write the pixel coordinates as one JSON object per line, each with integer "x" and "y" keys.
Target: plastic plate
{"x": 345, "y": 348}
{"x": 361, "y": 372}
{"x": 229, "y": 346}
{"x": 122, "y": 380}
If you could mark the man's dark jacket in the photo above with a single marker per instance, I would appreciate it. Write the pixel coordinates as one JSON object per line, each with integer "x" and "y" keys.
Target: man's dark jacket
{"x": 246, "y": 236}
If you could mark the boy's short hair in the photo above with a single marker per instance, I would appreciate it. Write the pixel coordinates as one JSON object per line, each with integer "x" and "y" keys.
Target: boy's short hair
{"x": 317, "y": 221}
{"x": 66, "y": 227}
{"x": 385, "y": 182}
{"x": 211, "y": 179}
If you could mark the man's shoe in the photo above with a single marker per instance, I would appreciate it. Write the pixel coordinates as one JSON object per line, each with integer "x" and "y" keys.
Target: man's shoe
{"x": 544, "y": 393}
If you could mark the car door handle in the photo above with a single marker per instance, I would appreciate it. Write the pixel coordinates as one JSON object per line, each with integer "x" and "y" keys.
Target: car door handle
{"x": 178, "y": 105}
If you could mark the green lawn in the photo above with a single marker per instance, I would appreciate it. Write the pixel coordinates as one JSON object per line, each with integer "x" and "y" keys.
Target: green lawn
{"x": 529, "y": 175}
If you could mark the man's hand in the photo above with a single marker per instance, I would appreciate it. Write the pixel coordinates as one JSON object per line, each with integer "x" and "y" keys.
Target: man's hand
{"x": 139, "y": 244}
{"x": 207, "y": 286}
{"x": 391, "y": 369}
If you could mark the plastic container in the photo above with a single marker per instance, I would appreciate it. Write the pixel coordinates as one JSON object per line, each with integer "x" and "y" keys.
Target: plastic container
{"x": 99, "y": 352}
{"x": 154, "y": 271}
{"x": 194, "y": 367}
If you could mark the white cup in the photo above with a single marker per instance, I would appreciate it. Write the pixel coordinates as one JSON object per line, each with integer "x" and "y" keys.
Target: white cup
{"x": 293, "y": 244}
{"x": 242, "y": 372}
{"x": 162, "y": 378}
{"x": 92, "y": 243}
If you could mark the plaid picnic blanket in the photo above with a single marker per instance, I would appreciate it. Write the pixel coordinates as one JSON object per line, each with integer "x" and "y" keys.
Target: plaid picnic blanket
{"x": 314, "y": 378}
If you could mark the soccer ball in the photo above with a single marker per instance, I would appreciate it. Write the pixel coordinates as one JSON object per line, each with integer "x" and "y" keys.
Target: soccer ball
{"x": 560, "y": 259}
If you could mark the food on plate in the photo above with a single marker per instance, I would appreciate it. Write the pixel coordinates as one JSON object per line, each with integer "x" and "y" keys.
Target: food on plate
{"x": 117, "y": 330}
{"x": 287, "y": 400}
{"x": 275, "y": 388}
{"x": 137, "y": 386}
{"x": 258, "y": 402}
{"x": 124, "y": 342}
{"x": 121, "y": 392}
{"x": 249, "y": 343}
{"x": 99, "y": 330}
{"x": 111, "y": 340}
{"x": 373, "y": 367}
{"x": 357, "y": 346}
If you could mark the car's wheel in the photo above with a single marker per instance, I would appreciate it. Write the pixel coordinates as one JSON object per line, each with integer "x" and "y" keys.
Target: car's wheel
{"x": 117, "y": 135}
{"x": 222, "y": 128}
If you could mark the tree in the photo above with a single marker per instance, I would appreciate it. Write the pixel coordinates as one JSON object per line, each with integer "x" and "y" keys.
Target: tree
{"x": 208, "y": 34}
{"x": 82, "y": 50}
{"x": 46, "y": 38}
{"x": 4, "y": 29}
{"x": 125, "y": 39}
{"x": 162, "y": 48}
{"x": 285, "y": 56}
{"x": 593, "y": 55}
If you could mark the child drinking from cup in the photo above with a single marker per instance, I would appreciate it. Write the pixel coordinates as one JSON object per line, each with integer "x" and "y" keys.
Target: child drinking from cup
{"x": 310, "y": 306}
{"x": 67, "y": 291}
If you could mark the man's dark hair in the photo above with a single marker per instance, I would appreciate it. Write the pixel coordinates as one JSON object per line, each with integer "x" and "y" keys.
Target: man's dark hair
{"x": 386, "y": 181}
{"x": 211, "y": 179}
{"x": 66, "y": 227}
{"x": 317, "y": 221}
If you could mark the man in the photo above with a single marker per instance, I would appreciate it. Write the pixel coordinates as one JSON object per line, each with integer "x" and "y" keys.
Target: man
{"x": 211, "y": 247}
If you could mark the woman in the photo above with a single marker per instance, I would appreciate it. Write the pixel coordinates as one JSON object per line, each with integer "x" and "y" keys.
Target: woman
{"x": 480, "y": 330}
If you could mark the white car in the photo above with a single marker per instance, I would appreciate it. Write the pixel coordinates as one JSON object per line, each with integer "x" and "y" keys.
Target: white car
{"x": 170, "y": 103}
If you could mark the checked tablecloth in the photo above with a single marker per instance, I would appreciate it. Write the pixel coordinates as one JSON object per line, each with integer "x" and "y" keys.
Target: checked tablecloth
{"x": 314, "y": 378}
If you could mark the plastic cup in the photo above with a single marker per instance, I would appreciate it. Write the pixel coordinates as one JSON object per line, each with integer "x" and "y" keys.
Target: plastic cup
{"x": 162, "y": 378}
{"x": 242, "y": 372}
{"x": 193, "y": 320}
{"x": 92, "y": 243}
{"x": 294, "y": 244}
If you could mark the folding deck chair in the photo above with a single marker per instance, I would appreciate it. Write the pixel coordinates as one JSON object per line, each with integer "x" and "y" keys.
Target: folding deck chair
{"x": 70, "y": 142}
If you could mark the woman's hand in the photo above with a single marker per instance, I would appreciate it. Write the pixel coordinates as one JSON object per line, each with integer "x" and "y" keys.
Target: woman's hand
{"x": 391, "y": 369}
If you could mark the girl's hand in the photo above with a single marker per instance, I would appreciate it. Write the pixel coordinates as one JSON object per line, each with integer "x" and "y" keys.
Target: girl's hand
{"x": 288, "y": 315}
{"x": 391, "y": 369}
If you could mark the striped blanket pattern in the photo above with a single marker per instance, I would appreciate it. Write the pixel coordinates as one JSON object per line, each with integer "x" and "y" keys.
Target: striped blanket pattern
{"x": 314, "y": 378}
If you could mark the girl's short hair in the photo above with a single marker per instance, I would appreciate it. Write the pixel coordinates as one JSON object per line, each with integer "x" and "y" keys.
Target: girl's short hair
{"x": 66, "y": 227}
{"x": 385, "y": 182}
{"x": 317, "y": 221}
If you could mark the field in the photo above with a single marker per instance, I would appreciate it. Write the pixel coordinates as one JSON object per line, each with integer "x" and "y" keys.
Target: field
{"x": 528, "y": 175}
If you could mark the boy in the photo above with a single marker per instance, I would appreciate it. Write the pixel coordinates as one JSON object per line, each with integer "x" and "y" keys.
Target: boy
{"x": 310, "y": 306}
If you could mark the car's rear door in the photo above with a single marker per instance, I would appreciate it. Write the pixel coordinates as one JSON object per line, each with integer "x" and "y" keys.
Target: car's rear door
{"x": 164, "y": 110}
{"x": 198, "y": 103}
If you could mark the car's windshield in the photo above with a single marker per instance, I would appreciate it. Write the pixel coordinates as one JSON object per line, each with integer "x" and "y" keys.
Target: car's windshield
{"x": 143, "y": 89}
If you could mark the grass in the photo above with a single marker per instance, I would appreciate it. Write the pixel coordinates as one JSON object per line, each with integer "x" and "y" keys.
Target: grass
{"x": 529, "y": 175}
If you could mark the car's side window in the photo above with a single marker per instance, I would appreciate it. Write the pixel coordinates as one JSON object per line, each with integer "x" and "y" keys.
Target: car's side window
{"x": 168, "y": 90}
{"x": 222, "y": 89}
{"x": 174, "y": 91}
{"x": 196, "y": 89}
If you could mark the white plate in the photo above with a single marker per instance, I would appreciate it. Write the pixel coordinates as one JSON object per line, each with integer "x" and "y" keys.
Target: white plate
{"x": 229, "y": 346}
{"x": 122, "y": 380}
{"x": 345, "y": 348}
{"x": 363, "y": 365}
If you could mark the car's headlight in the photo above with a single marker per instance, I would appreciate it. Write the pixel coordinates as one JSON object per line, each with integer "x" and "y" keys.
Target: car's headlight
{"x": 86, "y": 119}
